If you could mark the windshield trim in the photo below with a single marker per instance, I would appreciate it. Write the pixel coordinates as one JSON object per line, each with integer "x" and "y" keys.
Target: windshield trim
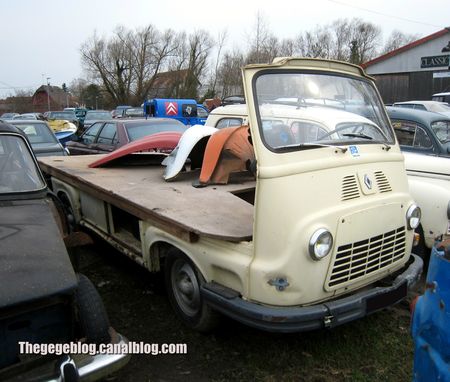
{"x": 286, "y": 149}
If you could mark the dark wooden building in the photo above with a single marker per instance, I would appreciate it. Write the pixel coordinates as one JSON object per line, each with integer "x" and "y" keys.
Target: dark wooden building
{"x": 415, "y": 71}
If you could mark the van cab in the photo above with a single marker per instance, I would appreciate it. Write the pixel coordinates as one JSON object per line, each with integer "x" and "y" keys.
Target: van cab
{"x": 186, "y": 111}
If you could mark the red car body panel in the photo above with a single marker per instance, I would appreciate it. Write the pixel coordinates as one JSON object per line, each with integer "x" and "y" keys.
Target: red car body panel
{"x": 161, "y": 142}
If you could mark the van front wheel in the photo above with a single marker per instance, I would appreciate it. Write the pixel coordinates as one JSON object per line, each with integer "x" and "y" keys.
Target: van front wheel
{"x": 183, "y": 281}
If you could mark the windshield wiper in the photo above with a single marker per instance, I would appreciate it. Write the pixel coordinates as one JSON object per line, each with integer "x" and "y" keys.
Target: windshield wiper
{"x": 357, "y": 135}
{"x": 313, "y": 145}
{"x": 364, "y": 136}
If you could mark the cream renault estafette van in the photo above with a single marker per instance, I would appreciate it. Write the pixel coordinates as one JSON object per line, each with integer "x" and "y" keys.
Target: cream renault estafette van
{"x": 333, "y": 217}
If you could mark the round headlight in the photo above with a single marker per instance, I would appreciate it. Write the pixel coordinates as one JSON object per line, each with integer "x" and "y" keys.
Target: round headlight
{"x": 320, "y": 244}
{"x": 413, "y": 216}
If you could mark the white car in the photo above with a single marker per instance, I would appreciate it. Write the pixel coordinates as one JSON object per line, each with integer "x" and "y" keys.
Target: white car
{"x": 428, "y": 176}
{"x": 429, "y": 184}
{"x": 434, "y": 106}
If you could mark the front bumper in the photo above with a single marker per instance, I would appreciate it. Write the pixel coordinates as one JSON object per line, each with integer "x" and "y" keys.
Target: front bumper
{"x": 324, "y": 315}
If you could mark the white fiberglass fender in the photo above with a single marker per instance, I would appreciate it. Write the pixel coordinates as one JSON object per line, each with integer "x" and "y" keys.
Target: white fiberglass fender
{"x": 176, "y": 160}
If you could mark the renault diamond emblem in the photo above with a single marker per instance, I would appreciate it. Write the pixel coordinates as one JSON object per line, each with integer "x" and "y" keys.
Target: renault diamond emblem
{"x": 367, "y": 181}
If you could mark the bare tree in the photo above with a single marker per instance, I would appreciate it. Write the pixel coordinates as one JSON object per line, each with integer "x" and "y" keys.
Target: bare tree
{"x": 126, "y": 64}
{"x": 365, "y": 39}
{"x": 340, "y": 49}
{"x": 230, "y": 77}
{"x": 220, "y": 43}
{"x": 398, "y": 39}
{"x": 316, "y": 43}
{"x": 263, "y": 45}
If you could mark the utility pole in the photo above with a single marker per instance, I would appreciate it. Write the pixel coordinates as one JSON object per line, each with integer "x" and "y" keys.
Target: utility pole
{"x": 48, "y": 93}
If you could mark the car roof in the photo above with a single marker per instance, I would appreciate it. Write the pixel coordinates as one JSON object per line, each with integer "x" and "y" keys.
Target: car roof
{"x": 421, "y": 116}
{"x": 149, "y": 120}
{"x": 233, "y": 110}
{"x": 27, "y": 121}
{"x": 427, "y": 102}
{"x": 8, "y": 128}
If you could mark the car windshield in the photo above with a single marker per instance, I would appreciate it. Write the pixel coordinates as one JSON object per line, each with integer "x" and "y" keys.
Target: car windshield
{"x": 63, "y": 115}
{"x": 37, "y": 133}
{"x": 91, "y": 116}
{"x": 18, "y": 170}
{"x": 307, "y": 110}
{"x": 142, "y": 129}
{"x": 442, "y": 130}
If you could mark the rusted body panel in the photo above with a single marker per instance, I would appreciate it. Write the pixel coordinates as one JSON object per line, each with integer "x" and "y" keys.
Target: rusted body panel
{"x": 228, "y": 150}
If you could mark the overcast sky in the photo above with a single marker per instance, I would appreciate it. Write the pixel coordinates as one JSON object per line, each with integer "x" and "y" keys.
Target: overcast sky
{"x": 41, "y": 38}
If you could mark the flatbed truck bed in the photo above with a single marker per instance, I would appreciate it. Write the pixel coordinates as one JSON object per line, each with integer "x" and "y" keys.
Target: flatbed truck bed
{"x": 213, "y": 211}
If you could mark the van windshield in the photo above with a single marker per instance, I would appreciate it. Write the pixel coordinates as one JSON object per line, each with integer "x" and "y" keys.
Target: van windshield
{"x": 301, "y": 110}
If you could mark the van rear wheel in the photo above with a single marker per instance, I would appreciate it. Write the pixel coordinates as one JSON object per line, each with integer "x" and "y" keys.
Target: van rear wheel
{"x": 183, "y": 281}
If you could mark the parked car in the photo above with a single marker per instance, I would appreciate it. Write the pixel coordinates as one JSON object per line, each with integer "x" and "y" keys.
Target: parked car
{"x": 434, "y": 106}
{"x": 228, "y": 116}
{"x": 441, "y": 97}
{"x": 106, "y": 136}
{"x": 8, "y": 116}
{"x": 119, "y": 111}
{"x": 43, "y": 140}
{"x": 134, "y": 112}
{"x": 94, "y": 116}
{"x": 421, "y": 131}
{"x": 430, "y": 320}
{"x": 429, "y": 185}
{"x": 63, "y": 115}
{"x": 29, "y": 116}
{"x": 42, "y": 300}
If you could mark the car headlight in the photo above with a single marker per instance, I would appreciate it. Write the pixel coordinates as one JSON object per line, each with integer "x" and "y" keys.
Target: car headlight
{"x": 413, "y": 216}
{"x": 320, "y": 244}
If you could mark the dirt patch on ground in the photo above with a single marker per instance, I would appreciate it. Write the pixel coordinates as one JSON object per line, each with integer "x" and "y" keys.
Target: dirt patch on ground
{"x": 377, "y": 348}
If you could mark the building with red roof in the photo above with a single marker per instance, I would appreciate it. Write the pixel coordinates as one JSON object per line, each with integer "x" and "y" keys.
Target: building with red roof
{"x": 415, "y": 71}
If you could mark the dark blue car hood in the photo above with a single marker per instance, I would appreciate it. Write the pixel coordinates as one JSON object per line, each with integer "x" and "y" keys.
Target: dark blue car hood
{"x": 34, "y": 263}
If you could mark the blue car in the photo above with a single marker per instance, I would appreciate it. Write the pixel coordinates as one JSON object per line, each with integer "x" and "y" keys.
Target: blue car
{"x": 421, "y": 131}
{"x": 431, "y": 320}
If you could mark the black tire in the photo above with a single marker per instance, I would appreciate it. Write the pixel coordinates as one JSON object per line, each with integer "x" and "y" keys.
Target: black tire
{"x": 183, "y": 281}
{"x": 92, "y": 314}
{"x": 68, "y": 211}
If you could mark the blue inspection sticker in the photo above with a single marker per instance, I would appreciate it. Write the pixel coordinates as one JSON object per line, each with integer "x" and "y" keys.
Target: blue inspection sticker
{"x": 354, "y": 151}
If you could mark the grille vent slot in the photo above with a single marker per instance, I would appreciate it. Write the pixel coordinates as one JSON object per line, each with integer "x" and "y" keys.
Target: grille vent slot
{"x": 382, "y": 182}
{"x": 364, "y": 257}
{"x": 350, "y": 188}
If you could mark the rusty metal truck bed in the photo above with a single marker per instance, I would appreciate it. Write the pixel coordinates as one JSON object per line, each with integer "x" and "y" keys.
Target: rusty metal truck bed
{"x": 213, "y": 211}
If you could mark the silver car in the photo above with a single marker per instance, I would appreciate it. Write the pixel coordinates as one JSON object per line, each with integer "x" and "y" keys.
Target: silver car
{"x": 42, "y": 138}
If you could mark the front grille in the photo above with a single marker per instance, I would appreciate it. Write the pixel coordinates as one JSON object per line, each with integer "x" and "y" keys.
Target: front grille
{"x": 350, "y": 188}
{"x": 364, "y": 257}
